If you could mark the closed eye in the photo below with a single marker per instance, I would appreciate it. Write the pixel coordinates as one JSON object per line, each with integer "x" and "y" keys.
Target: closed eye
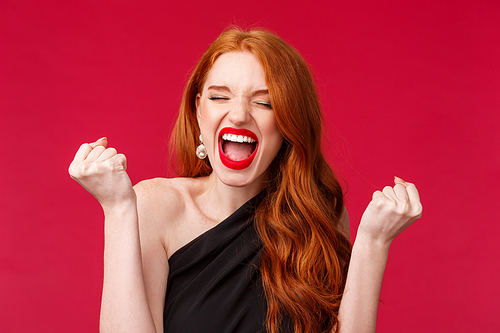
{"x": 214, "y": 98}
{"x": 267, "y": 105}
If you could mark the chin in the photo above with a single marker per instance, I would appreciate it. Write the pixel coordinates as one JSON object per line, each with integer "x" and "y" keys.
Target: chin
{"x": 240, "y": 178}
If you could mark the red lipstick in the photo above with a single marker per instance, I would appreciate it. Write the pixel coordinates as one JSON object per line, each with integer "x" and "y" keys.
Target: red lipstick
{"x": 237, "y": 165}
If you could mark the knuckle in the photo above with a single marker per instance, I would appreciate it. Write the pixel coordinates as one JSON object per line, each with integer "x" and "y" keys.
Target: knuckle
{"x": 376, "y": 202}
{"x": 73, "y": 174}
{"x": 88, "y": 169}
{"x": 84, "y": 169}
{"x": 393, "y": 206}
{"x": 403, "y": 209}
{"x": 75, "y": 170}
{"x": 418, "y": 209}
{"x": 123, "y": 162}
{"x": 108, "y": 165}
{"x": 385, "y": 204}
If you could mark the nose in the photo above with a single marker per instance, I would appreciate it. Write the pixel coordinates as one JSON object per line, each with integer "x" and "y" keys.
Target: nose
{"x": 240, "y": 112}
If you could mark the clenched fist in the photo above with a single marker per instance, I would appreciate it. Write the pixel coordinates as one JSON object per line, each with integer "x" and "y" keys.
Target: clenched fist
{"x": 102, "y": 172}
{"x": 390, "y": 212}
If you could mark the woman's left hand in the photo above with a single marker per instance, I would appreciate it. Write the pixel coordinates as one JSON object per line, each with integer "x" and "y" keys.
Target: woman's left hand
{"x": 391, "y": 211}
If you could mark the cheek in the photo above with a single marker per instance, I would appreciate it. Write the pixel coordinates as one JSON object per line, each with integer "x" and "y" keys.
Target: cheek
{"x": 205, "y": 120}
{"x": 208, "y": 121}
{"x": 271, "y": 131}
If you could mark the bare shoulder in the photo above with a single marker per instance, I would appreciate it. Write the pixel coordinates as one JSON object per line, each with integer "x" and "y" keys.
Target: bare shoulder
{"x": 156, "y": 189}
{"x": 164, "y": 204}
{"x": 159, "y": 199}
{"x": 166, "y": 190}
{"x": 152, "y": 188}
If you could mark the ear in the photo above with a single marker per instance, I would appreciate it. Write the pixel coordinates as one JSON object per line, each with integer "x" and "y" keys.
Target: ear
{"x": 198, "y": 110}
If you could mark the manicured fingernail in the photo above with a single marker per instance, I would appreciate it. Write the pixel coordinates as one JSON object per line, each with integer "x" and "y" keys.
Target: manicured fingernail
{"x": 103, "y": 138}
{"x": 399, "y": 179}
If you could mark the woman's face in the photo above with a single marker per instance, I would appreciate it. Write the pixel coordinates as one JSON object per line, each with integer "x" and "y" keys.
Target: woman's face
{"x": 236, "y": 119}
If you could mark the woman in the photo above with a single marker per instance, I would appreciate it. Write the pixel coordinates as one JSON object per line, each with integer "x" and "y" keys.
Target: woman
{"x": 253, "y": 236}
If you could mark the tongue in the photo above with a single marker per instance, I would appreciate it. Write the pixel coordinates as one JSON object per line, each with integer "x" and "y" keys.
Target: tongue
{"x": 236, "y": 151}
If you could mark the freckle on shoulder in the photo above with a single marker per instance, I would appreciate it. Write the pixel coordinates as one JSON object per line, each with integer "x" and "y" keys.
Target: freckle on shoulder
{"x": 158, "y": 200}
{"x": 155, "y": 188}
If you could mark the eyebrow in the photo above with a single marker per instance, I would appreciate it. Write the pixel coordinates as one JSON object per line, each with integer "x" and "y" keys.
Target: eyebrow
{"x": 225, "y": 88}
{"x": 261, "y": 92}
{"x": 222, "y": 88}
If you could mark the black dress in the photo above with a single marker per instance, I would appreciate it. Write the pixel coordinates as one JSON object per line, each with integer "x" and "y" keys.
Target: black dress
{"x": 214, "y": 285}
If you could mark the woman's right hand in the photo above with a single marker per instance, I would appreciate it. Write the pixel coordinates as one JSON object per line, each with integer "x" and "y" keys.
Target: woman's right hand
{"x": 102, "y": 172}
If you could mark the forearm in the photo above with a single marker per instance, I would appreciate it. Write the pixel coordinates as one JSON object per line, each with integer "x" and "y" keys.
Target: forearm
{"x": 389, "y": 213}
{"x": 124, "y": 305}
{"x": 358, "y": 310}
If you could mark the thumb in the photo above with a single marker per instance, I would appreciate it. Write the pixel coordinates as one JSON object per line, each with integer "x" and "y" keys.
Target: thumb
{"x": 398, "y": 180}
{"x": 101, "y": 142}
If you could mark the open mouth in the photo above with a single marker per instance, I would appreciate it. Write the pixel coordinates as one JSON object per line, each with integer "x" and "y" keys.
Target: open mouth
{"x": 237, "y": 147}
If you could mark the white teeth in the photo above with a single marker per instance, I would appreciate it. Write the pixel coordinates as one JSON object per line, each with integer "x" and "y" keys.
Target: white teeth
{"x": 237, "y": 138}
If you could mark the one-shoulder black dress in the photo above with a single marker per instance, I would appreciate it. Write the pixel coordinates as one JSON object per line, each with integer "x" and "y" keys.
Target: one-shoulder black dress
{"x": 214, "y": 284}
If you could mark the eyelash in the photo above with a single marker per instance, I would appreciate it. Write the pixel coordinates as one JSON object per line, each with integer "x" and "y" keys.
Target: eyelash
{"x": 215, "y": 98}
{"x": 212, "y": 98}
{"x": 267, "y": 105}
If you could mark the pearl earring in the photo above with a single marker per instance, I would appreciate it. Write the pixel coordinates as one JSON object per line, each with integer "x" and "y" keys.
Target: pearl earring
{"x": 201, "y": 151}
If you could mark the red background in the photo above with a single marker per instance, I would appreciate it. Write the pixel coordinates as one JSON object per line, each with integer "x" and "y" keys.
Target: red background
{"x": 409, "y": 88}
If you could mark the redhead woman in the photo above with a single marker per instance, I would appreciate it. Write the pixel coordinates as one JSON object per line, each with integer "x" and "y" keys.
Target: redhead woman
{"x": 253, "y": 236}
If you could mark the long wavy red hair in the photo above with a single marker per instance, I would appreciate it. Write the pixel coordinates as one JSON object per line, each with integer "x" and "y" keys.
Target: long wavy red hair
{"x": 305, "y": 257}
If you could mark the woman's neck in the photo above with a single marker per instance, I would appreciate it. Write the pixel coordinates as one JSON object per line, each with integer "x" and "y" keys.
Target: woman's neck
{"x": 218, "y": 200}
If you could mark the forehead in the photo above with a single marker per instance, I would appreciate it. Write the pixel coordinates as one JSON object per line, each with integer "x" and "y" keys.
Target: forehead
{"x": 237, "y": 70}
